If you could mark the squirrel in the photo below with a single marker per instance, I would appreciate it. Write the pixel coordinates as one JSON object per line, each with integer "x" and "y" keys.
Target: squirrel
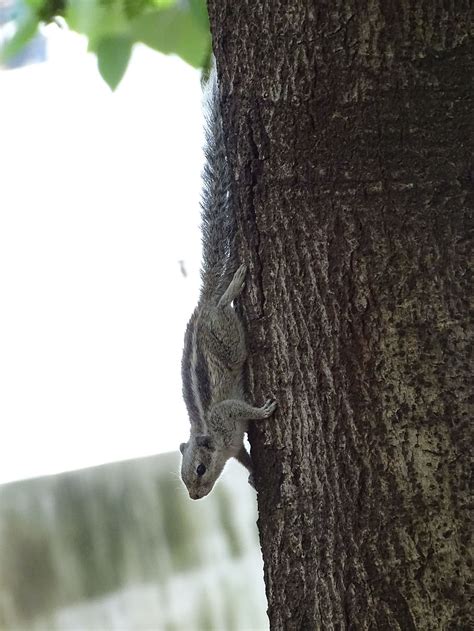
{"x": 215, "y": 347}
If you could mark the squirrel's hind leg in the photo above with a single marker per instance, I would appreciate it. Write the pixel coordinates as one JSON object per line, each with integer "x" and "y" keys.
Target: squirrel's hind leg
{"x": 225, "y": 337}
{"x": 245, "y": 459}
{"x": 235, "y": 287}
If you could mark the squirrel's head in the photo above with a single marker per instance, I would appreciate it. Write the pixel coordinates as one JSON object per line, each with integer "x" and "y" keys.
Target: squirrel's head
{"x": 201, "y": 465}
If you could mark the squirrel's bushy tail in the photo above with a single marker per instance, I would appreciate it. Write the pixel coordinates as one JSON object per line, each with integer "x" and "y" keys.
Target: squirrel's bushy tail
{"x": 217, "y": 220}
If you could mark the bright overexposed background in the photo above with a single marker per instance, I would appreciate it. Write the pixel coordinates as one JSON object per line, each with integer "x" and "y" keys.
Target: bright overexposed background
{"x": 99, "y": 257}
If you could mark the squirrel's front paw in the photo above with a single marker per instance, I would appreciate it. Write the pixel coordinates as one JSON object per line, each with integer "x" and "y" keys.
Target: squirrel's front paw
{"x": 269, "y": 407}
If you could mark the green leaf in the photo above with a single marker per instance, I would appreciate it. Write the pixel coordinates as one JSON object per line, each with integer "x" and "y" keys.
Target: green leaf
{"x": 35, "y": 4}
{"x": 132, "y": 8}
{"x": 174, "y": 30}
{"x": 26, "y": 30}
{"x": 199, "y": 11}
{"x": 162, "y": 4}
{"x": 113, "y": 55}
{"x": 97, "y": 19}
{"x": 49, "y": 9}
{"x": 46, "y": 10}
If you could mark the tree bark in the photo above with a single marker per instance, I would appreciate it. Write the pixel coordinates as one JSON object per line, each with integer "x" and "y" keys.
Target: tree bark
{"x": 348, "y": 130}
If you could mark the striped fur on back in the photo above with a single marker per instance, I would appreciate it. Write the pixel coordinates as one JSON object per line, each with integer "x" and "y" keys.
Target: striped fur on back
{"x": 196, "y": 377}
{"x": 189, "y": 397}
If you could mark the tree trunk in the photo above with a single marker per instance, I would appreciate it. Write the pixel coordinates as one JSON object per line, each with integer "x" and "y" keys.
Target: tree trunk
{"x": 348, "y": 134}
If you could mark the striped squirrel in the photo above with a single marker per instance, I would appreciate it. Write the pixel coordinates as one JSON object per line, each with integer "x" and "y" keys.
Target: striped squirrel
{"x": 214, "y": 343}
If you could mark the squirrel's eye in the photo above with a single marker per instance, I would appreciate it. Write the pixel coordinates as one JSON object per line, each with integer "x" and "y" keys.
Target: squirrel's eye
{"x": 201, "y": 470}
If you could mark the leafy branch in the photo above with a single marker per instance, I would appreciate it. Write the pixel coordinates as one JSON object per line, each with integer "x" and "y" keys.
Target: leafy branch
{"x": 112, "y": 27}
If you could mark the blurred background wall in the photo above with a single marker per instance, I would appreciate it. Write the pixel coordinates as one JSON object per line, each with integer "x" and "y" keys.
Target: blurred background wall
{"x": 121, "y": 546}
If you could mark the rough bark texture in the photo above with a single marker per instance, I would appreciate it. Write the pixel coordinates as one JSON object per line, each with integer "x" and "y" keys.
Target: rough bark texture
{"x": 348, "y": 133}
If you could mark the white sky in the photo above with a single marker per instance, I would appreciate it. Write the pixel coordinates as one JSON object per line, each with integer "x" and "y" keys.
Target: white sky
{"x": 99, "y": 201}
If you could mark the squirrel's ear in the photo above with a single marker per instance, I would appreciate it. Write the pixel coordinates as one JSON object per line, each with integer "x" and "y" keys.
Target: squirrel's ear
{"x": 182, "y": 447}
{"x": 204, "y": 440}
